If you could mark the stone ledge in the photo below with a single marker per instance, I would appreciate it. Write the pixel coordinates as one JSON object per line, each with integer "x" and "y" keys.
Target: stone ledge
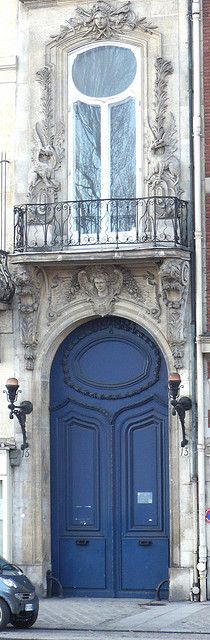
{"x": 106, "y": 255}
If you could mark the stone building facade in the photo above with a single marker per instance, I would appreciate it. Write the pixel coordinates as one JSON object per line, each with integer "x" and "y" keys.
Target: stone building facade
{"x": 97, "y": 105}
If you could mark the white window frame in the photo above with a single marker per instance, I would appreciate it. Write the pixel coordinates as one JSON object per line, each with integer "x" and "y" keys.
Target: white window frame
{"x": 135, "y": 92}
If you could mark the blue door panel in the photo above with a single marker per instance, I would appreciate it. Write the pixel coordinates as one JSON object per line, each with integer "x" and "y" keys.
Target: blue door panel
{"x": 78, "y": 556}
{"x": 109, "y": 462}
{"x": 144, "y": 563}
{"x": 81, "y": 495}
{"x": 144, "y": 478}
{"x": 79, "y": 448}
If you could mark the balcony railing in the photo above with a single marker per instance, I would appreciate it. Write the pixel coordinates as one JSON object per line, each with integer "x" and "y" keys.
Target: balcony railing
{"x": 146, "y": 222}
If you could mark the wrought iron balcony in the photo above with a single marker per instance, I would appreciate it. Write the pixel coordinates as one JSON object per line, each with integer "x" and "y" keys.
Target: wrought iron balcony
{"x": 62, "y": 226}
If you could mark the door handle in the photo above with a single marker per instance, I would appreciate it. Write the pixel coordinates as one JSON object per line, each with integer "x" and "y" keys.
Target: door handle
{"x": 145, "y": 543}
{"x": 82, "y": 542}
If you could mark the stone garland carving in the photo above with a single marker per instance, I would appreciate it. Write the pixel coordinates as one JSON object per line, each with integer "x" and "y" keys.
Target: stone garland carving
{"x": 28, "y": 282}
{"x": 164, "y": 170}
{"x": 175, "y": 278}
{"x": 103, "y": 20}
{"x": 48, "y": 151}
{"x": 7, "y": 288}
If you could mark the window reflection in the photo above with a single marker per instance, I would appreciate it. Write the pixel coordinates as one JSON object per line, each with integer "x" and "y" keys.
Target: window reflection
{"x": 104, "y": 71}
{"x": 123, "y": 163}
{"x": 104, "y": 154}
{"x": 87, "y": 151}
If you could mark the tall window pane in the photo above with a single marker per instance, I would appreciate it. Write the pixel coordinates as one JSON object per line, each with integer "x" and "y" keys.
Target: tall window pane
{"x": 105, "y": 106}
{"x": 123, "y": 150}
{"x": 123, "y": 162}
{"x": 87, "y": 151}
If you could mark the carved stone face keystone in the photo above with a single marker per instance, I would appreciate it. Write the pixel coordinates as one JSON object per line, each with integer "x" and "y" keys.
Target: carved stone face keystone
{"x": 101, "y": 287}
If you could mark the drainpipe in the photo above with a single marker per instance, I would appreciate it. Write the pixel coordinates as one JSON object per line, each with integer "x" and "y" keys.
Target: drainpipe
{"x": 196, "y": 19}
{"x": 194, "y": 476}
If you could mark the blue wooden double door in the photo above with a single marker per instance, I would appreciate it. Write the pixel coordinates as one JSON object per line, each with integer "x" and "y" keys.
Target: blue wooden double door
{"x": 109, "y": 462}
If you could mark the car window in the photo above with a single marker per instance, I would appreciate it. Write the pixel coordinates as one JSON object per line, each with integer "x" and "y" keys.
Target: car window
{"x": 7, "y": 567}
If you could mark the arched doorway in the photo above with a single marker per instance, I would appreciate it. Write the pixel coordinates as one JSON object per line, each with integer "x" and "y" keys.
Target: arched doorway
{"x": 109, "y": 461}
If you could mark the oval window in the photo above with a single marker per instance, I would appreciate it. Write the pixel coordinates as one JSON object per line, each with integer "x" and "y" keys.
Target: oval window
{"x": 104, "y": 71}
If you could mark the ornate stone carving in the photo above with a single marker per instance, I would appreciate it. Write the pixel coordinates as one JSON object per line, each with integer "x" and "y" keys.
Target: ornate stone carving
{"x": 28, "y": 282}
{"x": 103, "y": 20}
{"x": 131, "y": 286}
{"x": 164, "y": 170}
{"x": 175, "y": 285}
{"x": 63, "y": 287}
{"x": 48, "y": 151}
{"x": 153, "y": 281}
{"x": 101, "y": 286}
{"x": 7, "y": 288}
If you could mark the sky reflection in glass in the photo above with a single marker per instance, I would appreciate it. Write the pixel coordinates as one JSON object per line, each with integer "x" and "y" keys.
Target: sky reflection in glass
{"x": 104, "y": 71}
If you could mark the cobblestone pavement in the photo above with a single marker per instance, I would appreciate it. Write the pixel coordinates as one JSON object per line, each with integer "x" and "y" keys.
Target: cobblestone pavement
{"x": 115, "y": 619}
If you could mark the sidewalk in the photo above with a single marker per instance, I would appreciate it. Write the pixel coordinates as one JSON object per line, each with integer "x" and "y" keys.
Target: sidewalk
{"x": 81, "y": 615}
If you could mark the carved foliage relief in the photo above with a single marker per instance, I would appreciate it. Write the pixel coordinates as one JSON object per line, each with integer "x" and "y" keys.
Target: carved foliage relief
{"x": 48, "y": 150}
{"x": 164, "y": 165}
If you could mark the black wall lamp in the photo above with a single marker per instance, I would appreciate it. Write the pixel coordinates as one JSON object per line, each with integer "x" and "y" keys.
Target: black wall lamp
{"x": 179, "y": 405}
{"x": 21, "y": 410}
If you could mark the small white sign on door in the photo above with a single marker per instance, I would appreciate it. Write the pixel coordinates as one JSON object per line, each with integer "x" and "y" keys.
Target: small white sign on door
{"x": 144, "y": 497}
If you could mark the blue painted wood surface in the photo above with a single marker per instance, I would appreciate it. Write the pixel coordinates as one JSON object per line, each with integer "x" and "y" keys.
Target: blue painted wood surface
{"x": 109, "y": 461}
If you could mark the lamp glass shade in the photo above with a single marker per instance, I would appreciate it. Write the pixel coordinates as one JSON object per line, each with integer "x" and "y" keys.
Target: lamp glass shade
{"x": 174, "y": 377}
{"x": 12, "y": 383}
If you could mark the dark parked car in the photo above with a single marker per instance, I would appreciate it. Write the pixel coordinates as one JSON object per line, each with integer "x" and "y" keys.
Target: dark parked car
{"x": 19, "y": 604}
